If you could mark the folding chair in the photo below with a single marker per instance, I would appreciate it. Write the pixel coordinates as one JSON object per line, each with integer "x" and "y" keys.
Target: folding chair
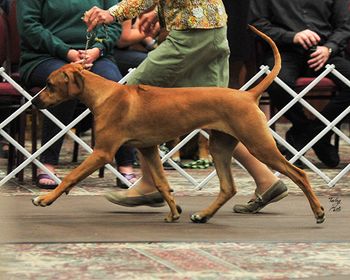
{"x": 10, "y": 99}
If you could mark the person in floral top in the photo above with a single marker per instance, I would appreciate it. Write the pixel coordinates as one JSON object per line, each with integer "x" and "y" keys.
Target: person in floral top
{"x": 195, "y": 53}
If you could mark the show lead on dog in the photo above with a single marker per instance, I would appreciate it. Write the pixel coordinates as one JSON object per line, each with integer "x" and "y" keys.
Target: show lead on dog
{"x": 194, "y": 54}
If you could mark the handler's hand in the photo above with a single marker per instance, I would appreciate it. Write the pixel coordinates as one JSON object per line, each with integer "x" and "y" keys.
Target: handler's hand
{"x": 318, "y": 58}
{"x": 148, "y": 23}
{"x": 306, "y": 38}
{"x": 96, "y": 16}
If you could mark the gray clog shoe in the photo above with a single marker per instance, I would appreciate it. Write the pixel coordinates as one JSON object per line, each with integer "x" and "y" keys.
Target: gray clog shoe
{"x": 275, "y": 193}
{"x": 154, "y": 199}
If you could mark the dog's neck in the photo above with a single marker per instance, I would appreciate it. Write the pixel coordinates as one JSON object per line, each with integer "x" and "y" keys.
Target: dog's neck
{"x": 95, "y": 97}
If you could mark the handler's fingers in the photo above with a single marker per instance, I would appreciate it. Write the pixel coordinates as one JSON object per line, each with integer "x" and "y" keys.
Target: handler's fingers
{"x": 91, "y": 18}
{"x": 92, "y": 25}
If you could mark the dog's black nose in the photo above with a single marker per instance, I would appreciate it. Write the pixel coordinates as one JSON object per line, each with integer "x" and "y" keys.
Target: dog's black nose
{"x": 36, "y": 102}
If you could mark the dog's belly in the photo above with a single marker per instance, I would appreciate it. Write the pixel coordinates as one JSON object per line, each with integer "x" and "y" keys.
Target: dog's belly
{"x": 159, "y": 135}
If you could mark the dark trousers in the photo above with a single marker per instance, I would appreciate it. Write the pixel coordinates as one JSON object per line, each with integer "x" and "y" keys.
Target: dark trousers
{"x": 127, "y": 59}
{"x": 65, "y": 111}
{"x": 294, "y": 66}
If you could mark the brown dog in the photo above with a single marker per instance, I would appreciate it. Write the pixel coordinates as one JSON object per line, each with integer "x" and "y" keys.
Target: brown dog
{"x": 145, "y": 116}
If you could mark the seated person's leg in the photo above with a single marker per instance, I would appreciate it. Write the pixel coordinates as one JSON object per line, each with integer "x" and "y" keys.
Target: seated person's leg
{"x": 342, "y": 100}
{"x": 107, "y": 69}
{"x": 125, "y": 156}
{"x": 326, "y": 152}
{"x": 293, "y": 67}
{"x": 127, "y": 59}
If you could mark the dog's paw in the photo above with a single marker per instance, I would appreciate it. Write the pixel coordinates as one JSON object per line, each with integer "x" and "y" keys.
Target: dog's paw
{"x": 320, "y": 217}
{"x": 40, "y": 201}
{"x": 197, "y": 218}
{"x": 171, "y": 218}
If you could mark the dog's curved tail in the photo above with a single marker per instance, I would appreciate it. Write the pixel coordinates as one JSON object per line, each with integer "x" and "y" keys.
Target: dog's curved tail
{"x": 267, "y": 81}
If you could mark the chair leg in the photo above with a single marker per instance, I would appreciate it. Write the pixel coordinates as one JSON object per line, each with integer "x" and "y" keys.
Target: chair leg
{"x": 12, "y": 151}
{"x": 76, "y": 148}
{"x": 21, "y": 141}
{"x": 34, "y": 140}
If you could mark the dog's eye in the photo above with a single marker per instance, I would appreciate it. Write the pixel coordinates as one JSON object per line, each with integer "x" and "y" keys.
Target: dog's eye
{"x": 49, "y": 86}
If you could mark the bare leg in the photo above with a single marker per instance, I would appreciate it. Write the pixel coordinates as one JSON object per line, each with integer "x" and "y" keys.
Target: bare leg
{"x": 262, "y": 175}
{"x": 145, "y": 185}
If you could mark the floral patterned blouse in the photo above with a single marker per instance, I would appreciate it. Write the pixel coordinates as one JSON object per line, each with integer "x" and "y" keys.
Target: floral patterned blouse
{"x": 176, "y": 14}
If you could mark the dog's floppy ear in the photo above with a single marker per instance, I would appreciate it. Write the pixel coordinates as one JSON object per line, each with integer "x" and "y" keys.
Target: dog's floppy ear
{"x": 79, "y": 80}
{"x": 74, "y": 81}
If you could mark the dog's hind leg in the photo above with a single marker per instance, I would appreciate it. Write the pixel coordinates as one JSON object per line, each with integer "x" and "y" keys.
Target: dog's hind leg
{"x": 96, "y": 160}
{"x": 300, "y": 178}
{"x": 151, "y": 158}
{"x": 271, "y": 156}
{"x": 221, "y": 147}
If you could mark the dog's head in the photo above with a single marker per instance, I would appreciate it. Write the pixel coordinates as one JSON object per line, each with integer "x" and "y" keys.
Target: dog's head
{"x": 63, "y": 84}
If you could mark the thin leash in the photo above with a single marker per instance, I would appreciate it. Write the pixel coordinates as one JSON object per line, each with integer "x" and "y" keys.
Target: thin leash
{"x": 89, "y": 36}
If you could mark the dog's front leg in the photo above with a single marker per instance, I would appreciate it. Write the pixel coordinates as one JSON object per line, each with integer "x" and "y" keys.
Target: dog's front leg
{"x": 150, "y": 158}
{"x": 89, "y": 165}
{"x": 221, "y": 147}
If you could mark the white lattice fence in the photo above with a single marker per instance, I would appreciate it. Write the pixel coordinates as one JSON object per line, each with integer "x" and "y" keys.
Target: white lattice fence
{"x": 198, "y": 184}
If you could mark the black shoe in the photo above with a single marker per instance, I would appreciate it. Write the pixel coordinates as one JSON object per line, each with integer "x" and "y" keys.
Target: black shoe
{"x": 327, "y": 153}
{"x": 4, "y": 150}
{"x": 297, "y": 140}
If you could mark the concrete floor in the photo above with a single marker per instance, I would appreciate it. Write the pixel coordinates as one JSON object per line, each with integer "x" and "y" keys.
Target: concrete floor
{"x": 94, "y": 219}
{"x": 86, "y": 237}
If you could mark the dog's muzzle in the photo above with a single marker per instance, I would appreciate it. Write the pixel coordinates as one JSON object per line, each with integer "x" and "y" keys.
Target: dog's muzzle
{"x": 38, "y": 103}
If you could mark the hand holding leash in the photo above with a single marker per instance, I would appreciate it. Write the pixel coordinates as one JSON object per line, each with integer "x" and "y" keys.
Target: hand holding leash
{"x": 96, "y": 16}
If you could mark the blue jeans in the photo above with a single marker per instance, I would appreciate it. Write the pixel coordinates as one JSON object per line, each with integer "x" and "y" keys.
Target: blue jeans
{"x": 65, "y": 111}
{"x": 127, "y": 59}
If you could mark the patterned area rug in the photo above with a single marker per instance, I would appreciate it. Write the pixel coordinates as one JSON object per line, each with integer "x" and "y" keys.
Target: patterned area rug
{"x": 175, "y": 261}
